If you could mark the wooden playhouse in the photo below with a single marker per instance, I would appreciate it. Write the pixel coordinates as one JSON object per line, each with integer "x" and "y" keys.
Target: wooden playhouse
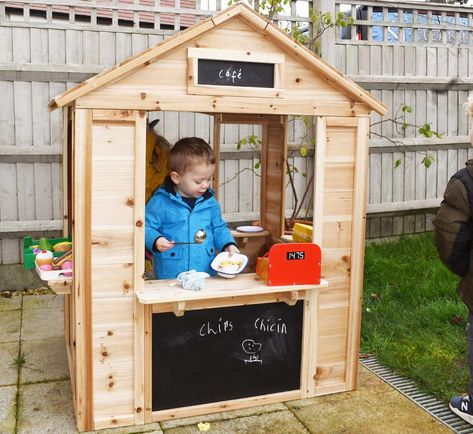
{"x": 240, "y": 68}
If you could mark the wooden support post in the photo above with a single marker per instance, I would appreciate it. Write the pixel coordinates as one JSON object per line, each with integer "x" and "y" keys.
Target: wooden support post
{"x": 179, "y": 308}
{"x": 81, "y": 231}
{"x": 139, "y": 264}
{"x": 216, "y": 149}
{"x": 290, "y": 298}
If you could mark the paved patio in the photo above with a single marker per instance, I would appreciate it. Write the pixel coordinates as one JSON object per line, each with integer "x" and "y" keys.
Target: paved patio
{"x": 35, "y": 393}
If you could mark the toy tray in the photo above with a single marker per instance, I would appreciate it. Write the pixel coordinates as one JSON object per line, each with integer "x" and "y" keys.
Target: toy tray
{"x": 53, "y": 274}
{"x": 29, "y": 256}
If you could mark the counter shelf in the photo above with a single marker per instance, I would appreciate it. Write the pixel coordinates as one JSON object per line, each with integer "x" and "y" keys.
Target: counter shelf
{"x": 243, "y": 285}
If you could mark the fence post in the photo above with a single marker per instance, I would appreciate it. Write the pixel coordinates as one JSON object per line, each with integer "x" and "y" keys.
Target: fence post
{"x": 327, "y": 41}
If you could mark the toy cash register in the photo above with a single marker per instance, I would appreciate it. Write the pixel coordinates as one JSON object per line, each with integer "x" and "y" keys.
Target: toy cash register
{"x": 290, "y": 264}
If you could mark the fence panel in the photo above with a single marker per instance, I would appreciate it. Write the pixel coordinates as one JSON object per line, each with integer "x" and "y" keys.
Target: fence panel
{"x": 408, "y": 53}
{"x": 405, "y": 53}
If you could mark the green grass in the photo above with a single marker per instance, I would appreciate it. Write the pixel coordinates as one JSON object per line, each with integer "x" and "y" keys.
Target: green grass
{"x": 413, "y": 319}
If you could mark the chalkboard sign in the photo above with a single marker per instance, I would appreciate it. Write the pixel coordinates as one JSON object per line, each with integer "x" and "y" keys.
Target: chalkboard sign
{"x": 219, "y": 354}
{"x": 230, "y": 73}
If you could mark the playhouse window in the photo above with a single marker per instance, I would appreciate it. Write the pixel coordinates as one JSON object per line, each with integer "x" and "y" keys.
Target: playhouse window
{"x": 239, "y": 148}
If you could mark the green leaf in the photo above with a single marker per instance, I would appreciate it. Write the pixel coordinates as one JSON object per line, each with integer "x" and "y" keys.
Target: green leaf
{"x": 397, "y": 163}
{"x": 303, "y": 151}
{"x": 427, "y": 161}
{"x": 406, "y": 108}
{"x": 257, "y": 165}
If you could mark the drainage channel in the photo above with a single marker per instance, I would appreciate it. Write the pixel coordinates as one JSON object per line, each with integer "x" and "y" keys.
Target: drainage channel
{"x": 429, "y": 403}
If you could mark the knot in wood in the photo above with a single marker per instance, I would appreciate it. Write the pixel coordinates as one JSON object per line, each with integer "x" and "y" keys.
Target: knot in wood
{"x": 139, "y": 223}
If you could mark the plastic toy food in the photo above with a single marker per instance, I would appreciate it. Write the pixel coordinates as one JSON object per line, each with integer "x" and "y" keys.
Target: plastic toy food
{"x": 67, "y": 266}
{"x": 46, "y": 267}
{"x": 44, "y": 244}
{"x": 61, "y": 259}
{"x": 44, "y": 257}
{"x": 63, "y": 246}
{"x": 230, "y": 266}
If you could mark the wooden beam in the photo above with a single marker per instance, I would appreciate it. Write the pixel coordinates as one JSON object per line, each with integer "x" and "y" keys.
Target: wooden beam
{"x": 82, "y": 268}
{"x": 139, "y": 265}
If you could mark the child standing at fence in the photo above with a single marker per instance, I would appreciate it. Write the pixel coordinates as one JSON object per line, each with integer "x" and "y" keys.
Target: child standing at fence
{"x": 454, "y": 241}
{"x": 183, "y": 206}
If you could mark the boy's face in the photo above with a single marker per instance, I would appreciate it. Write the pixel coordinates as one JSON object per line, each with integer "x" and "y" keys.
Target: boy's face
{"x": 194, "y": 182}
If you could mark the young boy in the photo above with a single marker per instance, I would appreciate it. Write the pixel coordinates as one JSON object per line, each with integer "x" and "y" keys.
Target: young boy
{"x": 453, "y": 238}
{"x": 180, "y": 208}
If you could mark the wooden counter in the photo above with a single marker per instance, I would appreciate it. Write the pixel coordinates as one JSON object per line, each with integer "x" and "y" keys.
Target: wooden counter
{"x": 168, "y": 290}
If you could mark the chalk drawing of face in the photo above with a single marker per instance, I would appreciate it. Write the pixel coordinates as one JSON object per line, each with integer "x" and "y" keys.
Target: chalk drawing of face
{"x": 250, "y": 346}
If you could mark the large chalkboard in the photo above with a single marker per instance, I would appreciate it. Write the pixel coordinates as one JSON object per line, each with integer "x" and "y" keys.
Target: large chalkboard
{"x": 230, "y": 73}
{"x": 219, "y": 354}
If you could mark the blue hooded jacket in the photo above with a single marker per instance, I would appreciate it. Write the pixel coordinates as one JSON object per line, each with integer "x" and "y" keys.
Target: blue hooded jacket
{"x": 167, "y": 215}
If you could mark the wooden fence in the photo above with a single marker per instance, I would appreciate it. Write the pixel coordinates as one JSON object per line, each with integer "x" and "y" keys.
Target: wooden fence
{"x": 406, "y": 53}
{"x": 46, "y": 46}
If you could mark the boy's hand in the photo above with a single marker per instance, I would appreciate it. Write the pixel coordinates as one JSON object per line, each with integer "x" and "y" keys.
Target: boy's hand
{"x": 231, "y": 249}
{"x": 162, "y": 244}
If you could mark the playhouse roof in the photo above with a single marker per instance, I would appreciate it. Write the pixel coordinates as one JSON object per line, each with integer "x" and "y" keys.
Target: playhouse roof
{"x": 144, "y": 58}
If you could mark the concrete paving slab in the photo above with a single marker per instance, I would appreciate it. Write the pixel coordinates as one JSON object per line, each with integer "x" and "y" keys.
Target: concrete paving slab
{"x": 7, "y": 409}
{"x": 375, "y": 407}
{"x": 10, "y": 326}
{"x": 8, "y": 367}
{"x": 12, "y": 303}
{"x": 278, "y": 422}
{"x": 42, "y": 324}
{"x": 45, "y": 360}
{"x": 46, "y": 408}
{"x": 45, "y": 301}
{"x": 224, "y": 415}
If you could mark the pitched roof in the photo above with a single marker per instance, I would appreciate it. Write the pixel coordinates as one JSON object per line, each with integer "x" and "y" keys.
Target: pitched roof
{"x": 131, "y": 64}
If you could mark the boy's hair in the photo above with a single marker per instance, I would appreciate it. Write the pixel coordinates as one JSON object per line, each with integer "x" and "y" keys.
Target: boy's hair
{"x": 188, "y": 152}
{"x": 468, "y": 106}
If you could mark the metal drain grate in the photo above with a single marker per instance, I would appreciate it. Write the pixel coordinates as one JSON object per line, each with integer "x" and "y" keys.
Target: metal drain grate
{"x": 429, "y": 403}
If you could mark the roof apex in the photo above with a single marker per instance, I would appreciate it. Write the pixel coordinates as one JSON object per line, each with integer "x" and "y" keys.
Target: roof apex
{"x": 149, "y": 55}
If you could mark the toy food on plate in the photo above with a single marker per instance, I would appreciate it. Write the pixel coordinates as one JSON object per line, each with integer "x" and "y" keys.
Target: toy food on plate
{"x": 44, "y": 257}
{"x": 229, "y": 266}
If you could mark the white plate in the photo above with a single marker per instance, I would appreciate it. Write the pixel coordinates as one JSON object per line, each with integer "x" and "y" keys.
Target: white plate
{"x": 250, "y": 229}
{"x": 231, "y": 272}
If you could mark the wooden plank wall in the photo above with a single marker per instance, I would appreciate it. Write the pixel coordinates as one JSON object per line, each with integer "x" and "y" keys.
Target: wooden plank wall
{"x": 334, "y": 217}
{"x": 112, "y": 267}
